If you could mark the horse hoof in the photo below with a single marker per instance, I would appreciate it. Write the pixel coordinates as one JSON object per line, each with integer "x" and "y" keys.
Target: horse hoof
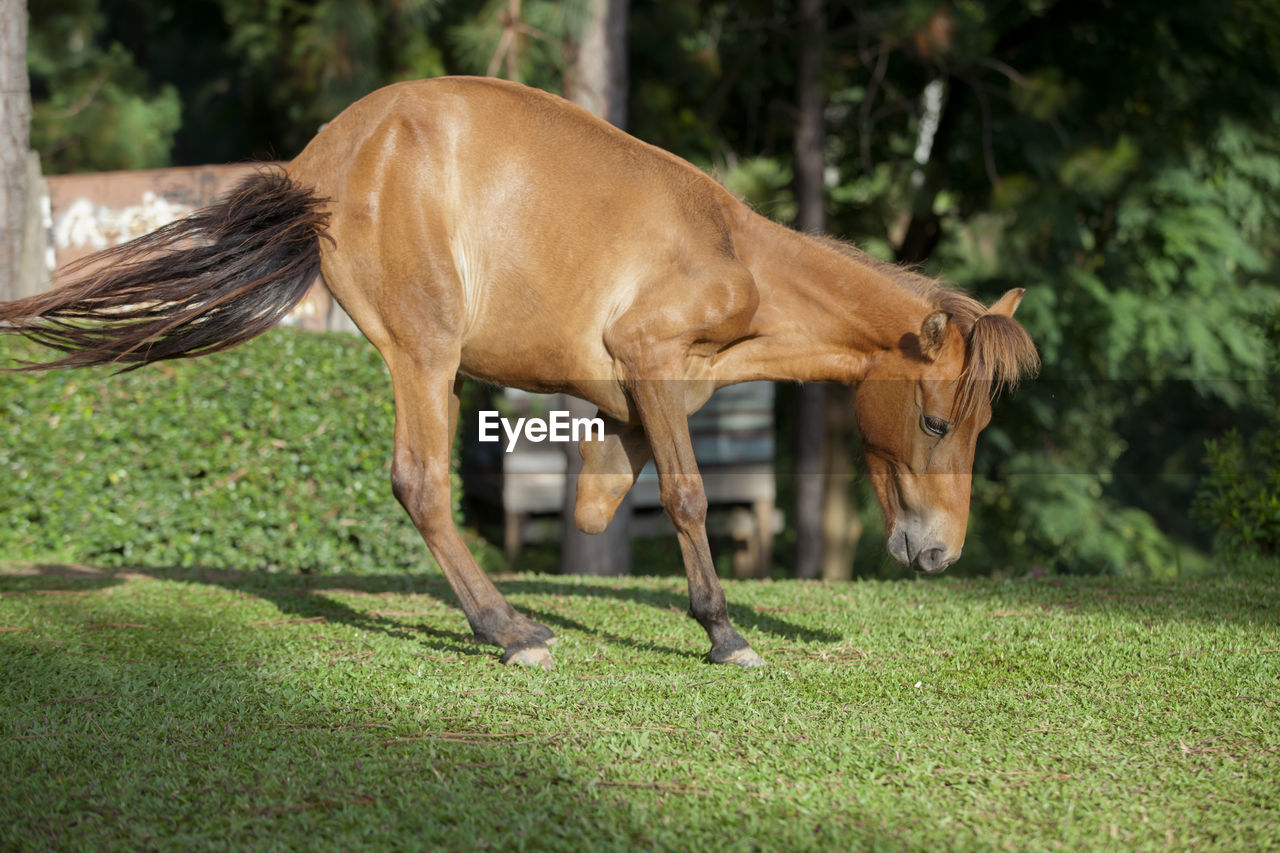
{"x": 745, "y": 658}
{"x": 532, "y": 656}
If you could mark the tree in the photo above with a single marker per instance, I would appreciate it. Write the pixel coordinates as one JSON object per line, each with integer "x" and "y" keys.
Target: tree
{"x": 1120, "y": 163}
{"x": 597, "y": 77}
{"x": 812, "y": 216}
{"x": 597, "y": 80}
{"x": 1120, "y": 160}
{"x": 529, "y": 41}
{"x": 15, "y": 118}
{"x": 307, "y": 61}
{"x": 1122, "y": 167}
{"x": 94, "y": 108}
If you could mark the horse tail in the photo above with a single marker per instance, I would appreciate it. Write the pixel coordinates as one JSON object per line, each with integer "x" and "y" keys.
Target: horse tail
{"x": 203, "y": 283}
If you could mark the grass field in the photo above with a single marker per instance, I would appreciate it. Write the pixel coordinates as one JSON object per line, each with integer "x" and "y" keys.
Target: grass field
{"x": 189, "y": 710}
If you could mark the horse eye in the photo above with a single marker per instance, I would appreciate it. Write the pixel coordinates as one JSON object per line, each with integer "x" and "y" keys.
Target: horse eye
{"x": 937, "y": 426}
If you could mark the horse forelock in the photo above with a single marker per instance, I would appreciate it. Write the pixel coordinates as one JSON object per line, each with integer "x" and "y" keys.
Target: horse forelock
{"x": 998, "y": 353}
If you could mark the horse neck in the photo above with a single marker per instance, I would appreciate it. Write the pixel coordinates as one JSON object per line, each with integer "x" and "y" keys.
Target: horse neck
{"x": 824, "y": 314}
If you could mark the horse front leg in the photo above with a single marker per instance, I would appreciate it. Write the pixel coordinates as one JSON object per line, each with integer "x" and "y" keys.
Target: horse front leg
{"x": 426, "y": 414}
{"x": 609, "y": 470}
{"x": 661, "y": 405}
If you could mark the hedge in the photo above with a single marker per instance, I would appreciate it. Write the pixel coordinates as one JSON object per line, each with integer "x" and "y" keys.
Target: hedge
{"x": 272, "y": 456}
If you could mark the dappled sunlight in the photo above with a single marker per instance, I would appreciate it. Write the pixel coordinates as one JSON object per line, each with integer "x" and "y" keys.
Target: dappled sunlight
{"x": 358, "y": 708}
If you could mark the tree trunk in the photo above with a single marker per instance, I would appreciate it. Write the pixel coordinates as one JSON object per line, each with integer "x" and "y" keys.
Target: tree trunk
{"x": 810, "y": 417}
{"x": 597, "y": 80}
{"x": 607, "y": 553}
{"x": 35, "y": 258}
{"x": 924, "y": 230}
{"x": 811, "y": 201}
{"x": 15, "y": 122}
{"x": 841, "y": 525}
{"x": 812, "y": 216}
{"x": 597, "y": 77}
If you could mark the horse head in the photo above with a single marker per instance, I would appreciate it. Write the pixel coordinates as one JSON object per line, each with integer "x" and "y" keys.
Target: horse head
{"x": 920, "y": 408}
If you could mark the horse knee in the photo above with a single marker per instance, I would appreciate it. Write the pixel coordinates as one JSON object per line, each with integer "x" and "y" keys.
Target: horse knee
{"x": 599, "y": 496}
{"x": 684, "y": 499}
{"x": 592, "y": 517}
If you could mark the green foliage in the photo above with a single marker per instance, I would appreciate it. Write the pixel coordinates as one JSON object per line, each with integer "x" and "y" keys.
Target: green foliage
{"x": 1120, "y": 163}
{"x": 765, "y": 184}
{"x": 270, "y": 456}
{"x": 92, "y": 107}
{"x": 1143, "y": 226}
{"x": 1065, "y": 523}
{"x": 1119, "y": 160}
{"x": 124, "y": 83}
{"x": 1240, "y": 496}
{"x": 536, "y": 49}
{"x": 308, "y": 61}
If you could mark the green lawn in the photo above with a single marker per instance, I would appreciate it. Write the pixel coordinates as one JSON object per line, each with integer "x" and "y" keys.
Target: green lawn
{"x": 187, "y": 710}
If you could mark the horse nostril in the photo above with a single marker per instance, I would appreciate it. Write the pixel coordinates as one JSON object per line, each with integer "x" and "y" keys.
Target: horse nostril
{"x": 899, "y": 548}
{"x": 933, "y": 560}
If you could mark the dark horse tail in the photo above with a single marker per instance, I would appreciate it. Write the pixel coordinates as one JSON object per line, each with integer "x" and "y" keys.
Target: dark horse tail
{"x": 201, "y": 284}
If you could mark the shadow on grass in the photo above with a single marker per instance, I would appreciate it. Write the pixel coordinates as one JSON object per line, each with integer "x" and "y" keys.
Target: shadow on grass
{"x": 180, "y": 737}
{"x": 184, "y": 732}
{"x": 183, "y": 741}
{"x": 744, "y": 617}
{"x": 305, "y": 596}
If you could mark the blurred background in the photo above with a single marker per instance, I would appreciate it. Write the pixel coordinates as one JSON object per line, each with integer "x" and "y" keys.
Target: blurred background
{"x": 1120, "y": 160}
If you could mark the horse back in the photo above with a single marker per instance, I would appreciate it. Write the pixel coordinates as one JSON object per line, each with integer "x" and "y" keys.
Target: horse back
{"x": 518, "y": 222}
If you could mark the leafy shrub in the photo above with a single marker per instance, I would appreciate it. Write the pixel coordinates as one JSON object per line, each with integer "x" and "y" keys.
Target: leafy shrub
{"x": 1240, "y": 494}
{"x": 272, "y": 456}
{"x": 1065, "y": 524}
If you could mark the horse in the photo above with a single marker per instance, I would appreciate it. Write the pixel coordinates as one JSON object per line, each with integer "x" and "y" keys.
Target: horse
{"x": 478, "y": 228}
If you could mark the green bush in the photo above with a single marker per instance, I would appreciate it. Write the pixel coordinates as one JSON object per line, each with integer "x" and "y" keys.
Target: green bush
{"x": 272, "y": 456}
{"x": 1240, "y": 494}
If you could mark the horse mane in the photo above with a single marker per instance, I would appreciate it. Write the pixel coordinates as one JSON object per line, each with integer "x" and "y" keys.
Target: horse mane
{"x": 998, "y": 351}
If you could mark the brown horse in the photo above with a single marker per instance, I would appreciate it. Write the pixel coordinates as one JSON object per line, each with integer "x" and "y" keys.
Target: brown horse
{"x": 478, "y": 228}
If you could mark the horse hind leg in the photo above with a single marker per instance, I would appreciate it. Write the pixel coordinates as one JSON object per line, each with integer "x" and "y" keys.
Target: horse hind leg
{"x": 426, "y": 412}
{"x": 393, "y": 276}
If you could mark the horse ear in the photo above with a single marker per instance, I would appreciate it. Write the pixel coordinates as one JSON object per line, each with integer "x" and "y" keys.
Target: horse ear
{"x": 932, "y": 335}
{"x": 1008, "y": 303}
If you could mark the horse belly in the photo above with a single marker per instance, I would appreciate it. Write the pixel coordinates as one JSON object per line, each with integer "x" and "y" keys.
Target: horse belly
{"x": 530, "y": 345}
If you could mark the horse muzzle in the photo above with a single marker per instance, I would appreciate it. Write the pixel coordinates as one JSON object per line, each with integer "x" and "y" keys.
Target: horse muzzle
{"x": 923, "y": 553}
